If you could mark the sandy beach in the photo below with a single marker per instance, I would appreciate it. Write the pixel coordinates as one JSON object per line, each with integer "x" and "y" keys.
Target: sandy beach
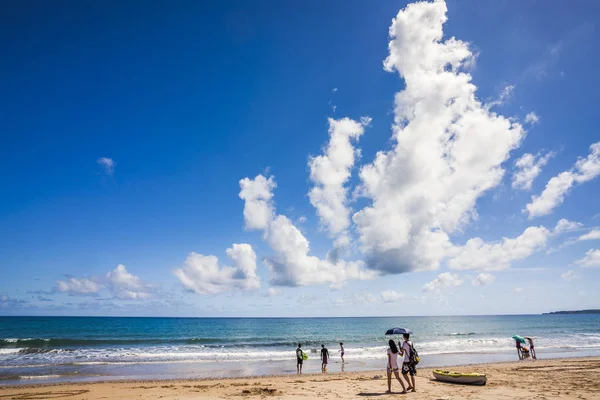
{"x": 575, "y": 378}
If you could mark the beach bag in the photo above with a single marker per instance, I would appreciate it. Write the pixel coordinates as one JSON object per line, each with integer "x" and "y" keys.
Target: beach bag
{"x": 414, "y": 355}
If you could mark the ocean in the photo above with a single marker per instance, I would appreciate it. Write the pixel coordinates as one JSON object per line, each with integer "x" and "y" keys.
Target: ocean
{"x": 56, "y": 349}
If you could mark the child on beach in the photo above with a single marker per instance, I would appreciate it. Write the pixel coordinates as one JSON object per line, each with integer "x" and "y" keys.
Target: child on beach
{"x": 324, "y": 358}
{"x": 342, "y": 351}
{"x": 531, "y": 348}
{"x": 392, "y": 366}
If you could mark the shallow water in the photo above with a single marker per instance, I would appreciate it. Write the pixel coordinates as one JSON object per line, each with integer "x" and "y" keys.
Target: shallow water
{"x": 53, "y": 349}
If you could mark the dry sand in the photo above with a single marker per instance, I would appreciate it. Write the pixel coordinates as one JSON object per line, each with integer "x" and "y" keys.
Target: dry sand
{"x": 543, "y": 379}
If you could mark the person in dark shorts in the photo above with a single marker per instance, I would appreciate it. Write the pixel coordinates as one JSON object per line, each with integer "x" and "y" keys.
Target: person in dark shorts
{"x": 324, "y": 358}
{"x": 531, "y": 348}
{"x": 408, "y": 368}
{"x": 299, "y": 358}
{"x": 519, "y": 349}
{"x": 342, "y": 351}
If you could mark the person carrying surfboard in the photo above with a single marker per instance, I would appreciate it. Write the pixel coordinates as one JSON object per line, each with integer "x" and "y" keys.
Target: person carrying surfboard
{"x": 299, "y": 358}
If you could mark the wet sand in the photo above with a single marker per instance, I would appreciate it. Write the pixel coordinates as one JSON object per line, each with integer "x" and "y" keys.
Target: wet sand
{"x": 576, "y": 378}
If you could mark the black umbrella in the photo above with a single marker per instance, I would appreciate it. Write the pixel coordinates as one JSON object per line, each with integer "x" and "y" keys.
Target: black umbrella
{"x": 398, "y": 331}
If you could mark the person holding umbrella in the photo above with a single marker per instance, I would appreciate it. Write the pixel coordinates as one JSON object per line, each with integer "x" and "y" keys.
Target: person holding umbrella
{"x": 518, "y": 341}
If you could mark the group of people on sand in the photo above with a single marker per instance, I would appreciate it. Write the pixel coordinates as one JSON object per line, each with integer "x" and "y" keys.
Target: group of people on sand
{"x": 524, "y": 352}
{"x": 408, "y": 367}
{"x": 324, "y": 357}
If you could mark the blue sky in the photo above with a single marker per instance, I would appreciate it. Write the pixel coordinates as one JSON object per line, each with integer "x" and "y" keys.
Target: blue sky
{"x": 126, "y": 131}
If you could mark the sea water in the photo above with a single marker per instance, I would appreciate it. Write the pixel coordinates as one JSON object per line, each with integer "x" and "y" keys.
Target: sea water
{"x": 97, "y": 348}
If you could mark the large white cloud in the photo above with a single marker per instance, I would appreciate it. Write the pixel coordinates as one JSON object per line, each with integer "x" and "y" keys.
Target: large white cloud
{"x": 203, "y": 275}
{"x": 448, "y": 148}
{"x": 330, "y": 172}
{"x": 528, "y": 167}
{"x": 291, "y": 265}
{"x": 257, "y": 194}
{"x": 585, "y": 169}
{"x": 591, "y": 259}
{"x": 479, "y": 255}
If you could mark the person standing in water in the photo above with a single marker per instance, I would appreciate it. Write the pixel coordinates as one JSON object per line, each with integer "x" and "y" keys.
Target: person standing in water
{"x": 299, "y": 358}
{"x": 324, "y": 358}
{"x": 392, "y": 366}
{"x": 342, "y": 351}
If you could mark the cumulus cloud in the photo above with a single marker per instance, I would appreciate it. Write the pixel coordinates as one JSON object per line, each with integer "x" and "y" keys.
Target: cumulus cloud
{"x": 564, "y": 225}
{"x": 257, "y": 194}
{"x": 291, "y": 265}
{"x": 273, "y": 292}
{"x": 126, "y": 286}
{"x": 330, "y": 172}
{"x": 203, "y": 274}
{"x": 11, "y": 303}
{"x": 584, "y": 170}
{"x": 107, "y": 164}
{"x": 121, "y": 284}
{"x": 532, "y": 118}
{"x": 479, "y": 255}
{"x": 528, "y": 167}
{"x": 444, "y": 280}
{"x": 79, "y": 287}
{"x": 591, "y": 259}
{"x": 570, "y": 275}
{"x": 391, "y": 296}
{"x": 591, "y": 235}
{"x": 483, "y": 279}
{"x": 448, "y": 149}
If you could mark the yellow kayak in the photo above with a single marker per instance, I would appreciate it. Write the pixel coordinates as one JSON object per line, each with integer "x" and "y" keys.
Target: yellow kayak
{"x": 459, "y": 377}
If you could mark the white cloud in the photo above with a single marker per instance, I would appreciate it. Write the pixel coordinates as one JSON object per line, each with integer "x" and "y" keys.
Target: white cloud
{"x": 479, "y": 255}
{"x": 79, "y": 287}
{"x": 448, "y": 149}
{"x": 291, "y": 265}
{"x": 257, "y": 194}
{"x": 203, "y": 275}
{"x": 532, "y": 118}
{"x": 330, "y": 172}
{"x": 591, "y": 259}
{"x": 483, "y": 279}
{"x": 443, "y": 281}
{"x": 126, "y": 286}
{"x": 528, "y": 167}
{"x": 585, "y": 169}
{"x": 591, "y": 235}
{"x": 518, "y": 290}
{"x": 273, "y": 292}
{"x": 564, "y": 225}
{"x": 301, "y": 219}
{"x": 391, "y": 296}
{"x": 570, "y": 275}
{"x": 107, "y": 164}
{"x": 503, "y": 97}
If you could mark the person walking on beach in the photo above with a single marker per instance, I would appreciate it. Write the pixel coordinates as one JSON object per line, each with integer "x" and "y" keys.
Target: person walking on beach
{"x": 531, "y": 348}
{"x": 519, "y": 350}
{"x": 299, "y": 358}
{"x": 408, "y": 366}
{"x": 324, "y": 358}
{"x": 342, "y": 351}
{"x": 392, "y": 366}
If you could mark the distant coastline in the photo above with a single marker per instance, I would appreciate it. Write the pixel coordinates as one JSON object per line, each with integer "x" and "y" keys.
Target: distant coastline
{"x": 593, "y": 311}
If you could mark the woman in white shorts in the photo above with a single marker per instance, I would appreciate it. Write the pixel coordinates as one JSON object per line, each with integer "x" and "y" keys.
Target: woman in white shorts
{"x": 392, "y": 366}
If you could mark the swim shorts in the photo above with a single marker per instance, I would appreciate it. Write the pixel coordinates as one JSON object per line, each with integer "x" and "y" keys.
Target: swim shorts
{"x": 409, "y": 368}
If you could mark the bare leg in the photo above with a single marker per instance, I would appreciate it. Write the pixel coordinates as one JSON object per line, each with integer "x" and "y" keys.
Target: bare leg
{"x": 401, "y": 383}
{"x": 407, "y": 380}
{"x": 412, "y": 378}
{"x": 389, "y": 376}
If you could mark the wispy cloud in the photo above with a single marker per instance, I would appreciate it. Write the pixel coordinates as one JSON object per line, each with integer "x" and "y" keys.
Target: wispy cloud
{"x": 107, "y": 164}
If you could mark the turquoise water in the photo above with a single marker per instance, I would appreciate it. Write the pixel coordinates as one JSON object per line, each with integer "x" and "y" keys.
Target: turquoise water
{"x": 74, "y": 348}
